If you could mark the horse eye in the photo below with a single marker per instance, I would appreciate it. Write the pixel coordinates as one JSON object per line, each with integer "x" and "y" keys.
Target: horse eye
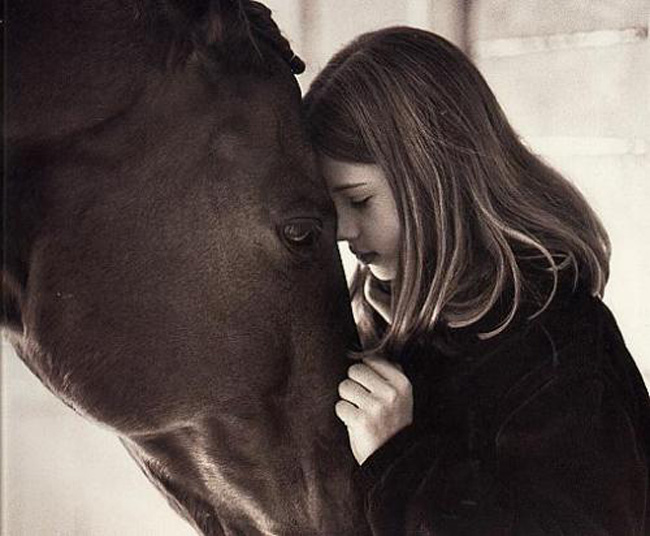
{"x": 301, "y": 232}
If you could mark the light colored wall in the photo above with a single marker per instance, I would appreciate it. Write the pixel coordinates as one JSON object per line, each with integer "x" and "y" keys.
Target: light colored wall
{"x": 582, "y": 103}
{"x": 318, "y": 28}
{"x": 574, "y": 79}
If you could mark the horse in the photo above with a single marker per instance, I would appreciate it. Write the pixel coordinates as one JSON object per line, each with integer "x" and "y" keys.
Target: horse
{"x": 170, "y": 267}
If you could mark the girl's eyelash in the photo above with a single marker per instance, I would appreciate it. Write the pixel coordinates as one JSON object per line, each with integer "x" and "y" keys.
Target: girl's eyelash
{"x": 360, "y": 202}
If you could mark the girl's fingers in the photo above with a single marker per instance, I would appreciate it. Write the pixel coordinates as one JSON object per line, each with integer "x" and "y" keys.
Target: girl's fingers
{"x": 347, "y": 412}
{"x": 369, "y": 379}
{"x": 389, "y": 371}
{"x": 353, "y": 392}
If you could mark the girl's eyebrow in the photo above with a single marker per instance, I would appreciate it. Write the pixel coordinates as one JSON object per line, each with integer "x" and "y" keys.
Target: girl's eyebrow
{"x": 347, "y": 186}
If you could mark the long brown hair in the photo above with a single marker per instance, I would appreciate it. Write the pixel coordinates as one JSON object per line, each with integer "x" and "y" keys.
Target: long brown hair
{"x": 476, "y": 206}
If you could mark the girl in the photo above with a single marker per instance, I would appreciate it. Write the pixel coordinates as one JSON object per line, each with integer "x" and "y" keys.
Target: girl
{"x": 495, "y": 394}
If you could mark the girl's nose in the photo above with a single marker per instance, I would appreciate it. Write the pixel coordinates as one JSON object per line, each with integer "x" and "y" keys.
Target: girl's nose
{"x": 347, "y": 227}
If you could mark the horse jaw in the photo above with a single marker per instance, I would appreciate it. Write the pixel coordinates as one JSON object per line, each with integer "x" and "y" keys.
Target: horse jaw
{"x": 189, "y": 466}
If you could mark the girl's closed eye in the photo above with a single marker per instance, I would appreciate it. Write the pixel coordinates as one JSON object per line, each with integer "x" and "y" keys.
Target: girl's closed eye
{"x": 360, "y": 202}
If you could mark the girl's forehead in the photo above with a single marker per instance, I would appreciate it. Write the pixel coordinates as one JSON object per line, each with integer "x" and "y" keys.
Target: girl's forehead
{"x": 340, "y": 174}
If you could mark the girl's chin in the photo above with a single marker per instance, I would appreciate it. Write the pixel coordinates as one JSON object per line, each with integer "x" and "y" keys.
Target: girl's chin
{"x": 382, "y": 273}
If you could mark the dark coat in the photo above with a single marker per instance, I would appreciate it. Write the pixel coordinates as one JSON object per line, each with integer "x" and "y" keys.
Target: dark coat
{"x": 542, "y": 430}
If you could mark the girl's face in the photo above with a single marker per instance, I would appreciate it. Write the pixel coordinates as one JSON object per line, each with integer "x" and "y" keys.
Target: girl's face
{"x": 367, "y": 216}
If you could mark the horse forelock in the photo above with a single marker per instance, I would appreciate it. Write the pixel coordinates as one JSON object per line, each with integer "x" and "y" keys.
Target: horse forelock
{"x": 231, "y": 35}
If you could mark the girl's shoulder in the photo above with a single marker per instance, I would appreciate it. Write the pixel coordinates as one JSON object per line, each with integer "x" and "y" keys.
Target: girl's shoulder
{"x": 575, "y": 337}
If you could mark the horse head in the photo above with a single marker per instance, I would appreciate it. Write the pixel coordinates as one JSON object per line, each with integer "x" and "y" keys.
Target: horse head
{"x": 171, "y": 268}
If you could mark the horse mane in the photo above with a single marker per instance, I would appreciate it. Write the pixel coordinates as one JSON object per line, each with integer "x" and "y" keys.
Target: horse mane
{"x": 232, "y": 35}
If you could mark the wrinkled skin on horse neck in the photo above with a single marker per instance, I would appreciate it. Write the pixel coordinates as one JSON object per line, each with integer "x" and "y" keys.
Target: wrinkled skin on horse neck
{"x": 147, "y": 280}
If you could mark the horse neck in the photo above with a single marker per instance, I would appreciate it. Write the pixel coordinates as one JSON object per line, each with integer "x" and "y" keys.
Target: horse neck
{"x": 229, "y": 476}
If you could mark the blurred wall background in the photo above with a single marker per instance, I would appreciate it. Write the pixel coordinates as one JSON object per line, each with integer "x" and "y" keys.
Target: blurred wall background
{"x": 574, "y": 79}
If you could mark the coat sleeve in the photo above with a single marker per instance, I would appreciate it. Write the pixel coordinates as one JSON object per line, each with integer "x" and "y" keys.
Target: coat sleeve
{"x": 566, "y": 460}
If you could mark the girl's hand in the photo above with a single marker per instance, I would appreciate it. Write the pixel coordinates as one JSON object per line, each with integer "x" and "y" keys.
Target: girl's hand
{"x": 376, "y": 403}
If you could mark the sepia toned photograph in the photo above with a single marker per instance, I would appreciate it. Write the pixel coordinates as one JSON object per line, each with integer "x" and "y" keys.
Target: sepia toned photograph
{"x": 325, "y": 268}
